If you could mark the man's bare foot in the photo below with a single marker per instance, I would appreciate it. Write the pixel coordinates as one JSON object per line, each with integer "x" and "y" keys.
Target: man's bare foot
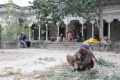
{"x": 86, "y": 70}
{"x": 73, "y": 69}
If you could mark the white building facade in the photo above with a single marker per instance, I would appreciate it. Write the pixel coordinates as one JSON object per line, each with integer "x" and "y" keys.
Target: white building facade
{"x": 87, "y": 29}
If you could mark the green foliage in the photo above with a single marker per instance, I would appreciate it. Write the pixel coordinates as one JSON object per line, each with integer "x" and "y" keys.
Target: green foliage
{"x": 47, "y": 12}
{"x": 88, "y": 7}
{"x": 103, "y": 62}
{"x": 66, "y": 74}
{"x": 105, "y": 77}
{"x": 63, "y": 72}
{"x": 49, "y": 74}
{"x": 57, "y": 8}
{"x": 11, "y": 25}
{"x": 92, "y": 74}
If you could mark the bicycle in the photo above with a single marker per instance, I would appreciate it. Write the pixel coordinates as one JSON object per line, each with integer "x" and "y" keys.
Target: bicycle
{"x": 110, "y": 46}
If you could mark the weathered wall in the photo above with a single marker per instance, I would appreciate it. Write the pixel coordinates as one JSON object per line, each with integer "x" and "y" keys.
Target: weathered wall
{"x": 115, "y": 30}
{"x": 53, "y": 31}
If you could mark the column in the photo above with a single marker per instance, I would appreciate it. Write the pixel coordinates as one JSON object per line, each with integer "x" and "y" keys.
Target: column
{"x": 108, "y": 30}
{"x": 39, "y": 33}
{"x": 46, "y": 32}
{"x": 82, "y": 23}
{"x": 66, "y": 31}
{"x": 58, "y": 31}
{"x": 29, "y": 33}
{"x": 92, "y": 22}
{"x": 109, "y": 21}
{"x": 30, "y": 25}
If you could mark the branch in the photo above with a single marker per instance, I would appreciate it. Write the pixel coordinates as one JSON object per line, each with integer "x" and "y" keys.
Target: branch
{"x": 98, "y": 25}
{"x": 78, "y": 12}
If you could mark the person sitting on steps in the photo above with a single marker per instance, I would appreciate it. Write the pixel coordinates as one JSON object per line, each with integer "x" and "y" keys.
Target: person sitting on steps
{"x": 22, "y": 39}
{"x": 52, "y": 38}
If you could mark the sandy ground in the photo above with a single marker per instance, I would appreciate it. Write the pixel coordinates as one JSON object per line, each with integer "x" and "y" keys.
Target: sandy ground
{"x": 27, "y": 60}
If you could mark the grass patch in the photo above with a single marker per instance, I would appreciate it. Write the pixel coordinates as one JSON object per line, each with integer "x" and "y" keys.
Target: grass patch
{"x": 103, "y": 62}
{"x": 47, "y": 59}
{"x": 63, "y": 72}
{"x": 37, "y": 44}
{"x": 10, "y": 72}
{"x": 112, "y": 77}
{"x": 116, "y": 76}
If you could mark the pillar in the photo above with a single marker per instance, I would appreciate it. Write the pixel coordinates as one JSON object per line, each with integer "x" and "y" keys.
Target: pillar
{"x": 58, "y": 30}
{"x": 29, "y": 33}
{"x": 92, "y": 22}
{"x": 82, "y": 21}
{"x": 46, "y": 32}
{"x": 109, "y": 21}
{"x": 30, "y": 25}
{"x": 66, "y": 31}
{"x": 108, "y": 30}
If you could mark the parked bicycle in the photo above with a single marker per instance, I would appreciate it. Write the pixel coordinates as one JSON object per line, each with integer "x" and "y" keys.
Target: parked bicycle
{"x": 110, "y": 46}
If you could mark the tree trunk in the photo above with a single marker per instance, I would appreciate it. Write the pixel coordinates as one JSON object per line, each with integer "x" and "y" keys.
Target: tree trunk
{"x": 100, "y": 20}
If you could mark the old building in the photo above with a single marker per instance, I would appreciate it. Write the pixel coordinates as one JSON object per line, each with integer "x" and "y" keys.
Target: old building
{"x": 79, "y": 25}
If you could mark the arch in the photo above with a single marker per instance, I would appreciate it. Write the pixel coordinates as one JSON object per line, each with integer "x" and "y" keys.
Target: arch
{"x": 35, "y": 31}
{"x": 68, "y": 19}
{"x": 115, "y": 29}
{"x": 75, "y": 25}
{"x": 87, "y": 30}
{"x": 105, "y": 28}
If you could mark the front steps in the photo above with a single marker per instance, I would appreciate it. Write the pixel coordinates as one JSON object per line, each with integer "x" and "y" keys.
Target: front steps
{"x": 62, "y": 45}
{"x": 66, "y": 45}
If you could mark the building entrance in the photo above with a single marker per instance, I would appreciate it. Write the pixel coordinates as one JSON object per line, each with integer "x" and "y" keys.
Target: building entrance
{"x": 62, "y": 31}
{"x": 105, "y": 29}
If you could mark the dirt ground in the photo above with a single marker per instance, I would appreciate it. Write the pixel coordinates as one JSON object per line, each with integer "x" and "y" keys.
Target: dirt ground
{"x": 28, "y": 60}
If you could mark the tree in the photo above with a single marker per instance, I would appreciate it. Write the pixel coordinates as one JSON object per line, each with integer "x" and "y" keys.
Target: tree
{"x": 92, "y": 8}
{"x": 88, "y": 9}
{"x": 47, "y": 12}
{"x": 13, "y": 23}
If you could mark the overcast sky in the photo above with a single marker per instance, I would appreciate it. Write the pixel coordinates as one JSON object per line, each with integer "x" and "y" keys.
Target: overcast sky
{"x": 18, "y": 2}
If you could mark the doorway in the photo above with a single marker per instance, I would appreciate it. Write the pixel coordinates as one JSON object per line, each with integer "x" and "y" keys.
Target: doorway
{"x": 62, "y": 30}
{"x": 105, "y": 29}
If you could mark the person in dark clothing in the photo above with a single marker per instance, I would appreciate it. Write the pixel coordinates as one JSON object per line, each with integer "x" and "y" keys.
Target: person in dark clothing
{"x": 83, "y": 59}
{"x": 22, "y": 39}
{"x": 61, "y": 35}
{"x": 78, "y": 39}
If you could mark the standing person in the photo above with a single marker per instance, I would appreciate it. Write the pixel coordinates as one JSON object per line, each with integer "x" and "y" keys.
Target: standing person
{"x": 61, "y": 35}
{"x": 22, "y": 39}
{"x": 69, "y": 34}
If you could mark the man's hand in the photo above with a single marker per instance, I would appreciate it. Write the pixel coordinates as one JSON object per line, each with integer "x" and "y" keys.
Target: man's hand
{"x": 94, "y": 63}
{"x": 75, "y": 65}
